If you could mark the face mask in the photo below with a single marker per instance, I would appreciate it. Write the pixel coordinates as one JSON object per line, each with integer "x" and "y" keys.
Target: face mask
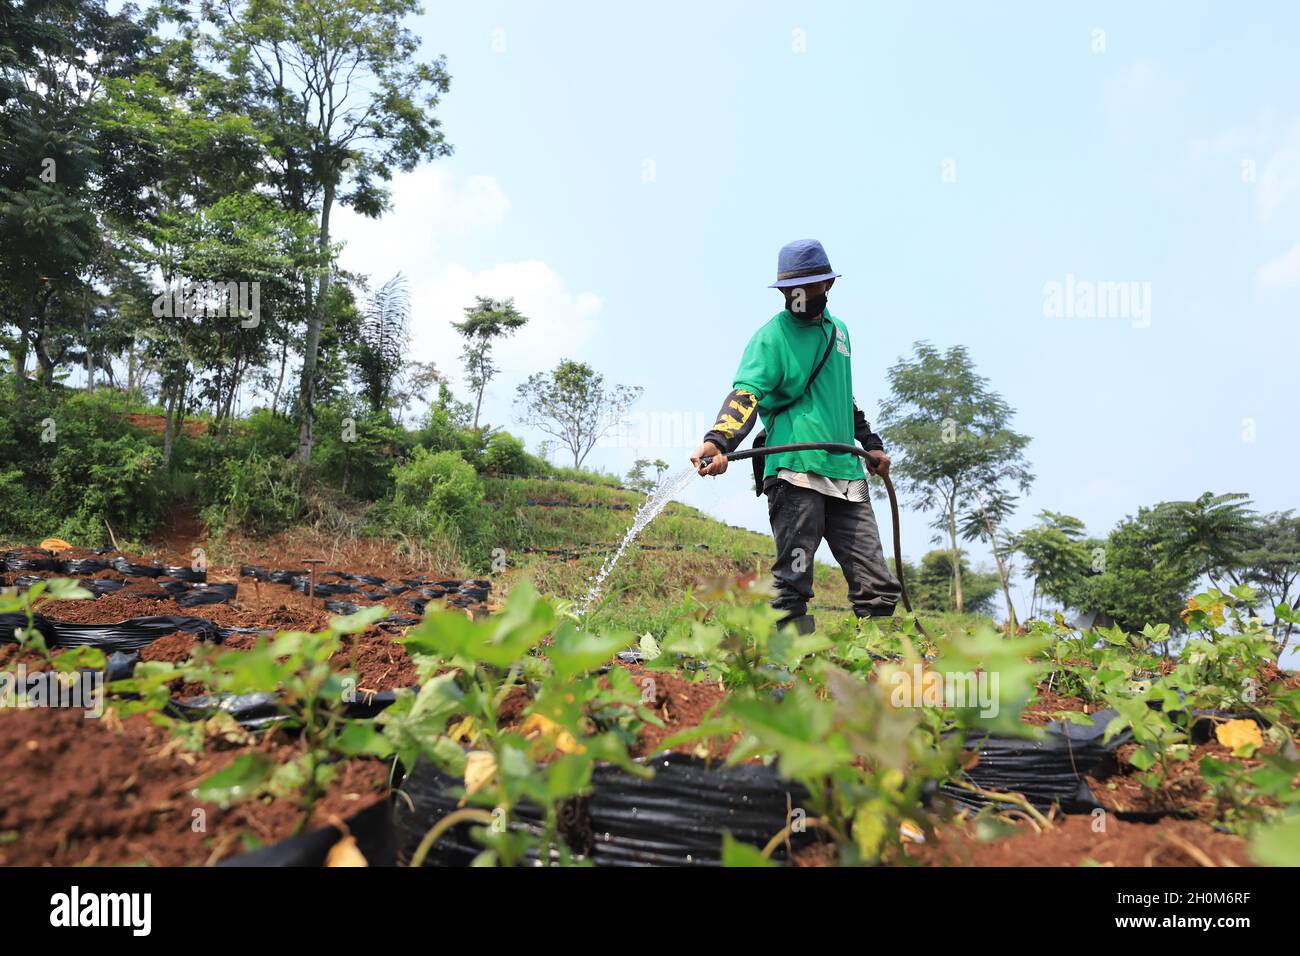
{"x": 812, "y": 305}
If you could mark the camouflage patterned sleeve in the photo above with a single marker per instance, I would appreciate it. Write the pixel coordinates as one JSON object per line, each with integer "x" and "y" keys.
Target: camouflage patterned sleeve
{"x": 735, "y": 420}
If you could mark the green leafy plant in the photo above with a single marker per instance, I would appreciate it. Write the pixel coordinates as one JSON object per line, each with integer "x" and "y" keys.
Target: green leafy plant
{"x": 545, "y": 757}
{"x": 312, "y": 700}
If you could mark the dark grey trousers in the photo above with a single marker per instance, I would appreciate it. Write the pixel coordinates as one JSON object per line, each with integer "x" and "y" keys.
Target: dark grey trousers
{"x": 801, "y": 518}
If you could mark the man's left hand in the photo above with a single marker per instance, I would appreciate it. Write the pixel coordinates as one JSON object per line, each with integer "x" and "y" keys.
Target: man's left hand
{"x": 878, "y": 464}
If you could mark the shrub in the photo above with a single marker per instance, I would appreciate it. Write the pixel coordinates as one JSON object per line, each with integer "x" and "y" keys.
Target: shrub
{"x": 70, "y": 464}
{"x": 260, "y": 493}
{"x": 440, "y": 484}
{"x": 505, "y": 455}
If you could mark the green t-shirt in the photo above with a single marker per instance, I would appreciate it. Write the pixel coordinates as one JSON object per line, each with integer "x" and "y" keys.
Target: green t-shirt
{"x": 775, "y": 367}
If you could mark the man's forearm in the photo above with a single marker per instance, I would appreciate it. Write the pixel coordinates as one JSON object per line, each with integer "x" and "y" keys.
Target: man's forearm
{"x": 862, "y": 432}
{"x": 735, "y": 421}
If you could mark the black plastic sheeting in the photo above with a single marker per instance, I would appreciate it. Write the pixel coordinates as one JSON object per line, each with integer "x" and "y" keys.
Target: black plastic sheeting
{"x": 128, "y": 635}
{"x": 676, "y": 818}
{"x": 256, "y": 711}
{"x": 372, "y": 829}
{"x": 1043, "y": 771}
{"x": 198, "y": 594}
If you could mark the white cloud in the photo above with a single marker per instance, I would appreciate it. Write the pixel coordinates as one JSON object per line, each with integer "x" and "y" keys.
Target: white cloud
{"x": 431, "y": 207}
{"x": 560, "y": 321}
{"x": 1283, "y": 270}
{"x": 1264, "y": 154}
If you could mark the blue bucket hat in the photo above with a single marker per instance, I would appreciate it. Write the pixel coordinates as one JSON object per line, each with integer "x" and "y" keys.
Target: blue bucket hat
{"x": 802, "y": 262}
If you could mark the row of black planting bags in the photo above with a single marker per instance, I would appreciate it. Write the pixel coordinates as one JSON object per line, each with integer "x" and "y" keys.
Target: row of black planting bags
{"x": 35, "y": 559}
{"x": 458, "y": 592}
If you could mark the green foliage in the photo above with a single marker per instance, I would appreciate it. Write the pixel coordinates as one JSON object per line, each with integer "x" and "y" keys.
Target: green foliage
{"x": 1146, "y": 577}
{"x": 506, "y": 455}
{"x": 442, "y": 485}
{"x": 71, "y": 464}
{"x": 932, "y": 585}
{"x": 956, "y": 450}
{"x": 261, "y": 493}
{"x": 547, "y": 759}
{"x": 312, "y": 698}
{"x": 573, "y": 404}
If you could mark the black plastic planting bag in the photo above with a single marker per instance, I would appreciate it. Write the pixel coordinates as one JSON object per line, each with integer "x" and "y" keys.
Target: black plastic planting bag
{"x": 372, "y": 829}
{"x": 1043, "y": 771}
{"x": 84, "y": 565}
{"x": 128, "y": 635}
{"x": 184, "y": 572}
{"x": 199, "y": 594}
{"x": 14, "y": 561}
{"x": 258, "y": 710}
{"x": 676, "y": 818}
{"x": 133, "y": 570}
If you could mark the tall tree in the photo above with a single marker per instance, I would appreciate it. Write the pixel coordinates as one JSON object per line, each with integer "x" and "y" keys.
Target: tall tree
{"x": 573, "y": 403}
{"x": 1216, "y": 530}
{"x": 1272, "y": 564}
{"x": 1056, "y": 556}
{"x": 339, "y": 89}
{"x": 984, "y": 520}
{"x": 954, "y": 440}
{"x": 485, "y": 321}
{"x": 1146, "y": 576}
{"x": 384, "y": 336}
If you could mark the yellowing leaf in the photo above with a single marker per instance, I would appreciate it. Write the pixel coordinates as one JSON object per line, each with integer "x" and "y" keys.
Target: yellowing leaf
{"x": 910, "y": 832}
{"x": 345, "y": 853}
{"x": 541, "y": 730}
{"x": 480, "y": 770}
{"x": 1236, "y": 734}
{"x": 464, "y": 730}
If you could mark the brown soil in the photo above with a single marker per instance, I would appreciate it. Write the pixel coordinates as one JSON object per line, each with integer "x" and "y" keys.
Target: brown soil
{"x": 192, "y": 427}
{"x": 1184, "y": 792}
{"x": 1270, "y": 674}
{"x": 1047, "y": 706}
{"x": 680, "y": 704}
{"x": 1072, "y": 842}
{"x": 75, "y": 791}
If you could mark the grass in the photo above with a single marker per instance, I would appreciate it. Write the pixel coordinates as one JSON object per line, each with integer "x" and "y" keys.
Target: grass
{"x": 645, "y": 591}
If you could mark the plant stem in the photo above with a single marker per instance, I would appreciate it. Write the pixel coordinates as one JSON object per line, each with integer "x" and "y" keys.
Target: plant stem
{"x": 468, "y": 814}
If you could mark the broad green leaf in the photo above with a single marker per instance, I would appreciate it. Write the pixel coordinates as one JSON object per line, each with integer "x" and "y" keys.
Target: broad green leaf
{"x": 242, "y": 779}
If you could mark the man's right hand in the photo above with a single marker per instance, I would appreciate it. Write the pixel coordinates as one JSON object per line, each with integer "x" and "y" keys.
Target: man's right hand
{"x": 715, "y": 467}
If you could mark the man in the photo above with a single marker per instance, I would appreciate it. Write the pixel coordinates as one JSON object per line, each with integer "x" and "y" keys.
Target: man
{"x": 795, "y": 374}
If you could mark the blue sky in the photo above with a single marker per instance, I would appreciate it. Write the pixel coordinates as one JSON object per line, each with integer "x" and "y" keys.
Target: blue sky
{"x": 628, "y": 173}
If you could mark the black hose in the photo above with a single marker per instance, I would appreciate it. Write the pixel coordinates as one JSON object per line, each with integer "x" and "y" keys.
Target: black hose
{"x": 849, "y": 450}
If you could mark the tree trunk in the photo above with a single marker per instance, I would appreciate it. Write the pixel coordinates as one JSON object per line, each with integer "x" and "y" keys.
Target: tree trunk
{"x": 1006, "y": 591}
{"x": 90, "y": 356}
{"x": 306, "y": 439}
{"x": 955, "y": 551}
{"x": 279, "y": 382}
{"x": 130, "y": 369}
{"x": 167, "y": 424}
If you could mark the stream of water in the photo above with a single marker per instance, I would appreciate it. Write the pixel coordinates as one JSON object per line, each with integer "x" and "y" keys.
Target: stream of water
{"x": 655, "y": 502}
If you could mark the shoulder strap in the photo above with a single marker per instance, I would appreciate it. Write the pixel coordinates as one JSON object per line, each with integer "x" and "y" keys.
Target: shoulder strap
{"x": 830, "y": 344}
